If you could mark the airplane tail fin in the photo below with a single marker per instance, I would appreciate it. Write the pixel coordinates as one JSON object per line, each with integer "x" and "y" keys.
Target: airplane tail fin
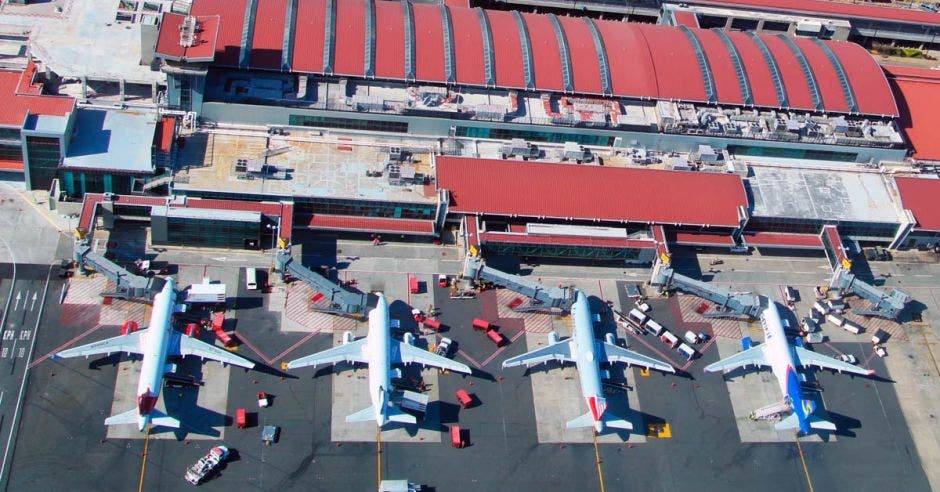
{"x": 129, "y": 417}
{"x": 792, "y": 421}
{"x": 587, "y": 420}
{"x": 364, "y": 415}
{"x": 394, "y": 414}
{"x": 158, "y": 418}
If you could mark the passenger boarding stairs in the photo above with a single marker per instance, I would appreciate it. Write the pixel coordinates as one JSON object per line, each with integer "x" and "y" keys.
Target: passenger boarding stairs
{"x": 771, "y": 412}
{"x": 729, "y": 304}
{"x": 543, "y": 298}
{"x": 342, "y": 302}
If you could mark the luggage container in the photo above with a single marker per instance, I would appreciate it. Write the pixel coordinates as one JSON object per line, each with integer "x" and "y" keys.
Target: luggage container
{"x": 479, "y": 324}
{"x": 456, "y": 437}
{"x": 687, "y": 351}
{"x": 654, "y": 328}
{"x": 669, "y": 339}
{"x": 442, "y": 280}
{"x": 638, "y": 316}
{"x": 241, "y": 418}
{"x": 815, "y": 337}
{"x": 498, "y": 338}
{"x": 821, "y": 308}
{"x": 642, "y": 306}
{"x": 690, "y": 337}
{"x": 851, "y": 327}
{"x": 464, "y": 398}
{"x": 413, "y": 284}
{"x": 835, "y": 319}
{"x": 432, "y": 324}
{"x": 879, "y": 337}
{"x": 809, "y": 325}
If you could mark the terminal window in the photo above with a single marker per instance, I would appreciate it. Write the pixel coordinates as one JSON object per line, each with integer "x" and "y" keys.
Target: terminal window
{"x": 552, "y": 137}
{"x": 819, "y": 155}
{"x": 348, "y": 123}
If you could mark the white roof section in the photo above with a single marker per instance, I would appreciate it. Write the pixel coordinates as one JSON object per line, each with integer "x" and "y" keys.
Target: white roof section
{"x": 822, "y": 194}
{"x": 206, "y": 213}
{"x": 107, "y": 140}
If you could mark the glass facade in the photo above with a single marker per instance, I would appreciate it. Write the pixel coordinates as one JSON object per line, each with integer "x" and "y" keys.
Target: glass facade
{"x": 76, "y": 184}
{"x": 348, "y": 123}
{"x": 212, "y": 233}
{"x": 538, "y": 136}
{"x": 336, "y": 206}
{"x": 44, "y": 155}
{"x": 562, "y": 251}
{"x": 819, "y": 155}
{"x": 11, "y": 152}
{"x": 853, "y": 229}
{"x": 10, "y": 134}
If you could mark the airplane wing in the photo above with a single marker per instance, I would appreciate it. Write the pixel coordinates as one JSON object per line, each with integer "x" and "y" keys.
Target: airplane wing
{"x": 129, "y": 343}
{"x": 409, "y": 354}
{"x": 560, "y": 351}
{"x": 191, "y": 346}
{"x": 809, "y": 358}
{"x": 613, "y": 353}
{"x": 753, "y": 356}
{"x": 348, "y": 352}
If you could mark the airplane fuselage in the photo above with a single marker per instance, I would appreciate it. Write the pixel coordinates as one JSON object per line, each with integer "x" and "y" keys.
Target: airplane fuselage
{"x": 779, "y": 355}
{"x": 377, "y": 353}
{"x": 583, "y": 349}
{"x": 154, "y": 352}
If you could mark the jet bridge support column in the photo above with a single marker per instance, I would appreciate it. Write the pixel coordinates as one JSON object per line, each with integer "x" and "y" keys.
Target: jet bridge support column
{"x": 546, "y": 299}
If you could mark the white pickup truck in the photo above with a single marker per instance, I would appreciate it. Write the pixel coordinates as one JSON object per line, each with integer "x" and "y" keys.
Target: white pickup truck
{"x": 206, "y": 465}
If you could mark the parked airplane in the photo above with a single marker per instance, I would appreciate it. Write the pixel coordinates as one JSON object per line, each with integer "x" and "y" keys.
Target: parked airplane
{"x": 155, "y": 344}
{"x": 379, "y": 351}
{"x": 587, "y": 353}
{"x": 783, "y": 360}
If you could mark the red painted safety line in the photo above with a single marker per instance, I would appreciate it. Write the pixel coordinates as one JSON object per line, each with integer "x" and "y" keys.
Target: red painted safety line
{"x": 469, "y": 359}
{"x": 654, "y": 349}
{"x": 500, "y": 350}
{"x": 65, "y": 345}
{"x": 294, "y": 346}
{"x": 705, "y": 347}
{"x": 254, "y": 349}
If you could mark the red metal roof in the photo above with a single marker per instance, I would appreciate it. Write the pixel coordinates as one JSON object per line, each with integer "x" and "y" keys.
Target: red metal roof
{"x": 163, "y": 137}
{"x": 91, "y": 201}
{"x": 168, "y": 41}
{"x": 308, "y": 36}
{"x": 920, "y": 196}
{"x": 389, "y": 40}
{"x": 918, "y": 93}
{"x": 705, "y": 239}
{"x": 429, "y": 42}
{"x": 468, "y": 46}
{"x": 350, "y": 38}
{"x": 674, "y": 64}
{"x": 472, "y": 236}
{"x": 268, "y": 41}
{"x": 591, "y": 192}
{"x": 722, "y": 68}
{"x": 685, "y": 18}
{"x": 231, "y": 18}
{"x": 287, "y": 221}
{"x": 267, "y": 208}
{"x": 507, "y": 49}
{"x": 826, "y": 77}
{"x": 646, "y": 61}
{"x": 20, "y": 96}
{"x": 7, "y": 165}
{"x": 836, "y": 9}
{"x": 832, "y": 232}
{"x": 758, "y": 72}
{"x": 368, "y": 224}
{"x": 545, "y": 54}
{"x": 508, "y": 237}
{"x": 584, "y": 61}
{"x": 766, "y": 239}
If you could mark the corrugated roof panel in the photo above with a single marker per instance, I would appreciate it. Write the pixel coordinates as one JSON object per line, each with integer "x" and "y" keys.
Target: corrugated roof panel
{"x": 676, "y": 68}
{"x": 826, "y": 77}
{"x": 919, "y": 195}
{"x": 762, "y": 85}
{"x": 350, "y": 37}
{"x": 685, "y": 18}
{"x": 791, "y": 72}
{"x": 545, "y": 53}
{"x": 389, "y": 40}
{"x": 508, "y": 49}
{"x": 368, "y": 224}
{"x": 918, "y": 93}
{"x": 468, "y": 46}
{"x": 561, "y": 240}
{"x": 771, "y": 239}
{"x": 429, "y": 43}
{"x": 533, "y": 189}
{"x": 232, "y": 18}
{"x": 14, "y": 107}
{"x": 308, "y": 38}
{"x": 631, "y": 67}
{"x": 868, "y": 80}
{"x": 722, "y": 67}
{"x": 268, "y": 41}
{"x": 584, "y": 61}
{"x": 287, "y": 221}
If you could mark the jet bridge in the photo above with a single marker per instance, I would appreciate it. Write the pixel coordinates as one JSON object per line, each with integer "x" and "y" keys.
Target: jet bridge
{"x": 884, "y": 304}
{"x": 730, "y": 304}
{"x": 341, "y": 301}
{"x": 543, "y": 298}
{"x": 127, "y": 284}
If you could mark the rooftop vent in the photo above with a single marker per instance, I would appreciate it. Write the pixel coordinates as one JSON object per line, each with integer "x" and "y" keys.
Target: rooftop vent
{"x": 188, "y": 31}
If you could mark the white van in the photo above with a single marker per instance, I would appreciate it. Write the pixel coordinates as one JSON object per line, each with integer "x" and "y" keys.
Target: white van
{"x": 251, "y": 278}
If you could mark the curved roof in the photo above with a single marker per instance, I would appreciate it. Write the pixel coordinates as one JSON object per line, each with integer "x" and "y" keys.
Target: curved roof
{"x": 448, "y": 44}
{"x": 918, "y": 94}
{"x": 570, "y": 191}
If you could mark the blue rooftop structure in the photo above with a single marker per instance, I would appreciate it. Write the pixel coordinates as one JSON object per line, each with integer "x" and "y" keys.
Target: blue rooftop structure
{"x": 119, "y": 141}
